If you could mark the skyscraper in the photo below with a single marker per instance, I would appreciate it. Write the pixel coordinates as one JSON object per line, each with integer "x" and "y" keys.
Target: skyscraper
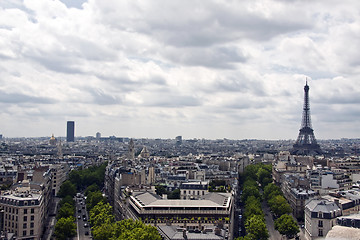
{"x": 70, "y": 131}
{"x": 306, "y": 143}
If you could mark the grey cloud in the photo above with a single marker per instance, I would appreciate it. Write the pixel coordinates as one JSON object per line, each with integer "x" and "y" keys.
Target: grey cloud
{"x": 101, "y": 98}
{"x": 220, "y": 57}
{"x": 207, "y": 24}
{"x": 23, "y": 98}
{"x": 171, "y": 101}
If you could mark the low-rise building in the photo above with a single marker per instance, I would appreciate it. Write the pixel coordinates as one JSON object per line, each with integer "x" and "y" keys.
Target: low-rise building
{"x": 193, "y": 190}
{"x": 212, "y": 209}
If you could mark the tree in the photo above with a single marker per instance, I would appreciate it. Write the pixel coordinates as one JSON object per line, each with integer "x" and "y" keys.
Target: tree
{"x": 252, "y": 207}
{"x": 263, "y": 176}
{"x": 94, "y": 198}
{"x": 286, "y": 226}
{"x": 66, "y": 210}
{"x": 174, "y": 194}
{"x": 65, "y": 228}
{"x": 160, "y": 190}
{"x": 92, "y": 188}
{"x": 271, "y": 190}
{"x": 100, "y": 214}
{"x": 67, "y": 188}
{"x": 243, "y": 238}
{"x": 104, "y": 231}
{"x": 256, "y": 228}
{"x": 75, "y": 178}
{"x": 279, "y": 205}
{"x": 129, "y": 229}
{"x": 250, "y": 191}
{"x": 68, "y": 199}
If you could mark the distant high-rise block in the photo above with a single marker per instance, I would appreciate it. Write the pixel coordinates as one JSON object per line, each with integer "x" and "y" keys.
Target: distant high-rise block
{"x": 178, "y": 140}
{"x": 98, "y": 135}
{"x": 70, "y": 131}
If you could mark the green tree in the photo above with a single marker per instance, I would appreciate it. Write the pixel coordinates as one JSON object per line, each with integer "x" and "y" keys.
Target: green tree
{"x": 243, "y": 238}
{"x": 67, "y": 188}
{"x": 66, "y": 210}
{"x": 67, "y": 199}
{"x": 100, "y": 214}
{"x": 252, "y": 207}
{"x": 104, "y": 231}
{"x": 251, "y": 171}
{"x": 256, "y": 228}
{"x": 263, "y": 176}
{"x": 92, "y": 188}
{"x": 271, "y": 190}
{"x": 160, "y": 190}
{"x": 129, "y": 229}
{"x": 65, "y": 228}
{"x": 250, "y": 191}
{"x": 94, "y": 198}
{"x": 286, "y": 226}
{"x": 75, "y": 178}
{"x": 174, "y": 194}
{"x": 279, "y": 205}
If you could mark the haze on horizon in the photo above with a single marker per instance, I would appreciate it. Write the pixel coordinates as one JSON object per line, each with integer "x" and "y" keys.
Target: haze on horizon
{"x": 158, "y": 69}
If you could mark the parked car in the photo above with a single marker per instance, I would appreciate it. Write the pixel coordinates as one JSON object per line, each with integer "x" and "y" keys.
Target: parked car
{"x": 86, "y": 225}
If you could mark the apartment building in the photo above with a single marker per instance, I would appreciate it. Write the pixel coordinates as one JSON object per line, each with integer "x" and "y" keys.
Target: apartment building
{"x": 320, "y": 216}
{"x": 23, "y": 212}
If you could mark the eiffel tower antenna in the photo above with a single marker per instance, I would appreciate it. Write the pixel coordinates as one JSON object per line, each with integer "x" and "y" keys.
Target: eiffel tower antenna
{"x": 306, "y": 143}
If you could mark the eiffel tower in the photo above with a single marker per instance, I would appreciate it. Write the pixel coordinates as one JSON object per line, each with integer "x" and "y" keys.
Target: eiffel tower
{"x": 306, "y": 143}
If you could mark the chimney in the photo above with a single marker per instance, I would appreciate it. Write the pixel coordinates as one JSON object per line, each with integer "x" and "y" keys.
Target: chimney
{"x": 337, "y": 202}
{"x": 184, "y": 234}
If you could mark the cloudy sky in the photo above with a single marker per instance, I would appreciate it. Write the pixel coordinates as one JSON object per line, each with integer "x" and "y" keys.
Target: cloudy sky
{"x": 160, "y": 68}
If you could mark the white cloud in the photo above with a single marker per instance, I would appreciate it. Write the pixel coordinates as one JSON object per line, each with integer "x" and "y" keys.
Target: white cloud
{"x": 213, "y": 69}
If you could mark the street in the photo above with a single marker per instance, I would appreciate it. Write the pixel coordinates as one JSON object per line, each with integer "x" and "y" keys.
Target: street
{"x": 83, "y": 227}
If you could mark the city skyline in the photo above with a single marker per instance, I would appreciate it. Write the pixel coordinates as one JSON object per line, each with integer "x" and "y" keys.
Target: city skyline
{"x": 213, "y": 69}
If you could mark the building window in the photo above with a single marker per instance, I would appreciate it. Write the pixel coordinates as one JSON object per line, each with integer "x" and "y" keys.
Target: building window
{"x": 25, "y": 218}
{"x": 320, "y": 215}
{"x": 32, "y": 218}
{"x": 25, "y": 211}
{"x": 32, "y": 210}
{"x": 31, "y": 232}
{"x": 184, "y": 191}
{"x": 24, "y": 233}
{"x": 320, "y": 223}
{"x": 31, "y": 225}
{"x": 24, "y": 225}
{"x": 17, "y": 211}
{"x": 320, "y": 232}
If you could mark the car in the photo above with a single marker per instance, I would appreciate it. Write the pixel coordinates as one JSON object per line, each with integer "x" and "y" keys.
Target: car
{"x": 84, "y": 218}
{"x": 79, "y": 217}
{"x": 86, "y": 225}
{"x": 86, "y": 233}
{"x": 83, "y": 207}
{"x": 79, "y": 210}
